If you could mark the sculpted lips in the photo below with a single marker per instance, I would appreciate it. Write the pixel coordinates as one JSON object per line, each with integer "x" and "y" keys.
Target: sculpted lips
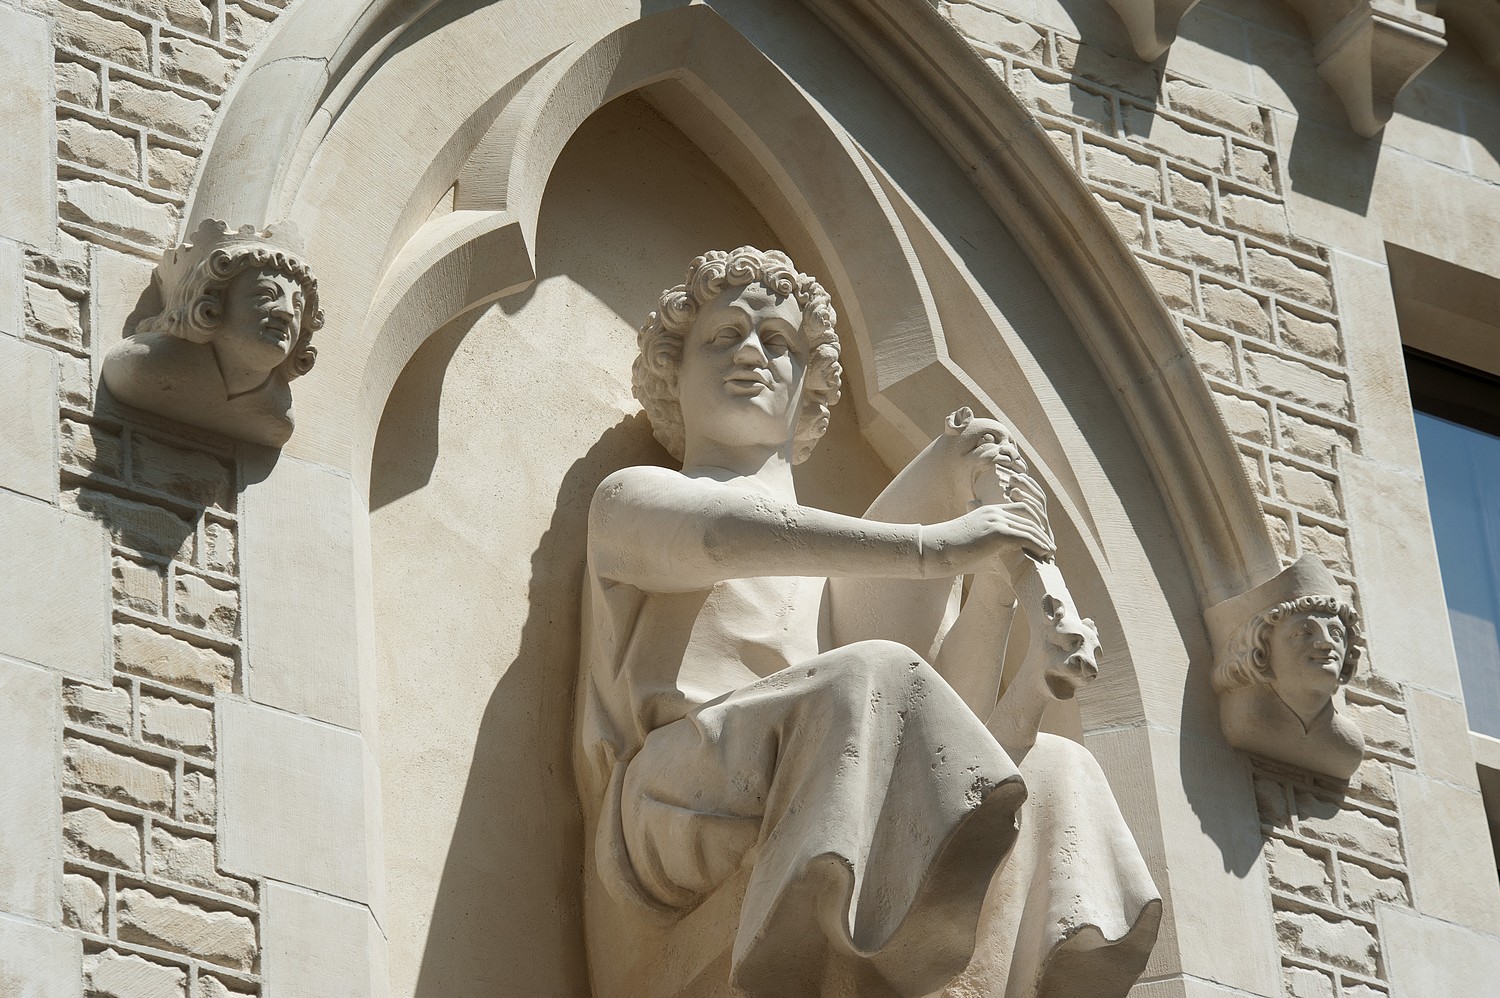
{"x": 747, "y": 381}
{"x": 277, "y": 330}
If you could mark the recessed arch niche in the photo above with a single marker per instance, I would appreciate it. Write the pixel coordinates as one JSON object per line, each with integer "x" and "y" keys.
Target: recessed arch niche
{"x": 428, "y": 203}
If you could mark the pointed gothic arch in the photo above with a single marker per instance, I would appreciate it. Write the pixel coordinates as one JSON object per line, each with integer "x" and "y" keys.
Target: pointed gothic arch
{"x": 396, "y": 108}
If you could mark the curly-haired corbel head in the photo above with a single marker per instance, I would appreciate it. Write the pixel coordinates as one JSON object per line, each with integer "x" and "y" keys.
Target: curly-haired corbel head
{"x": 248, "y": 294}
{"x": 1310, "y": 641}
{"x": 661, "y": 338}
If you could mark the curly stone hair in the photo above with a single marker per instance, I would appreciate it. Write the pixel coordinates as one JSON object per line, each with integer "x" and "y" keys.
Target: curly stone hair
{"x": 1247, "y": 660}
{"x": 654, "y": 374}
{"x": 194, "y": 301}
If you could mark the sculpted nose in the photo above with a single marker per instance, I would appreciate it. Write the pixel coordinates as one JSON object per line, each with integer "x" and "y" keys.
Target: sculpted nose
{"x": 750, "y": 350}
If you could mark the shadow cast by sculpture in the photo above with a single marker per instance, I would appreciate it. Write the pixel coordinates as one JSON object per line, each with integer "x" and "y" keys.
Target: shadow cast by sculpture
{"x": 494, "y": 846}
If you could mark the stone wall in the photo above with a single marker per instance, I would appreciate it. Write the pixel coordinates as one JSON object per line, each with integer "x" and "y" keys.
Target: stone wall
{"x": 1194, "y": 179}
{"x": 137, "y": 87}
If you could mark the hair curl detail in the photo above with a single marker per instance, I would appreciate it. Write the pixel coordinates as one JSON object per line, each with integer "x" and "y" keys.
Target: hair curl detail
{"x": 195, "y": 303}
{"x": 1247, "y": 659}
{"x": 654, "y": 374}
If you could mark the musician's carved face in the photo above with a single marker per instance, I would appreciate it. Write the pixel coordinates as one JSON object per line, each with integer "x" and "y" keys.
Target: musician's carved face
{"x": 740, "y": 380}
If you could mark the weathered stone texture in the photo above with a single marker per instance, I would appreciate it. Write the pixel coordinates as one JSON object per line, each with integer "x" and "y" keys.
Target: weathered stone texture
{"x": 1188, "y": 195}
{"x": 103, "y": 772}
{"x": 169, "y": 169}
{"x": 1310, "y": 336}
{"x": 164, "y": 110}
{"x": 1385, "y": 729}
{"x": 117, "y": 210}
{"x": 1308, "y": 439}
{"x": 1108, "y": 166}
{"x": 1307, "y": 489}
{"x": 191, "y": 861}
{"x": 196, "y": 65}
{"x": 77, "y": 84}
{"x": 1236, "y": 309}
{"x": 171, "y": 660}
{"x": 191, "y": 475}
{"x": 1297, "y": 871}
{"x": 171, "y": 722}
{"x": 207, "y": 605}
{"x": 1364, "y": 888}
{"x": 219, "y": 541}
{"x": 1352, "y": 829}
{"x": 1338, "y": 943}
{"x": 222, "y": 937}
{"x": 102, "y": 148}
{"x": 87, "y": 31}
{"x": 107, "y": 709}
{"x": 199, "y": 798}
{"x": 1196, "y": 245}
{"x": 999, "y": 31}
{"x": 1287, "y": 276}
{"x": 1174, "y": 286}
{"x": 1216, "y": 107}
{"x": 1255, "y": 214}
{"x": 83, "y": 903}
{"x": 137, "y": 525}
{"x": 242, "y": 28}
{"x": 111, "y": 974}
{"x": 53, "y": 315}
{"x": 91, "y": 834}
{"x": 1304, "y": 982}
{"x": 138, "y": 586}
{"x": 1296, "y": 382}
{"x": 92, "y": 448}
{"x": 1202, "y": 148}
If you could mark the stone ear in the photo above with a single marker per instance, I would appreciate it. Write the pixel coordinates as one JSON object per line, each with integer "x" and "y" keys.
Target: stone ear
{"x": 957, "y": 421}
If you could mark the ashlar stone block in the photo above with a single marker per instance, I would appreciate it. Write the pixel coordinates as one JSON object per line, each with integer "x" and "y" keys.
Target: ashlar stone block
{"x": 28, "y": 156}
{"x": 39, "y": 962}
{"x": 1448, "y": 850}
{"x": 293, "y": 800}
{"x": 320, "y": 947}
{"x": 1434, "y": 957}
{"x": 28, "y": 413}
{"x": 30, "y": 811}
{"x": 54, "y": 592}
{"x": 298, "y": 546}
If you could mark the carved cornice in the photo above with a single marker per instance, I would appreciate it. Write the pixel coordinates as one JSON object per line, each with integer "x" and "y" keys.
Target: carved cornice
{"x": 1371, "y": 53}
{"x": 1152, "y": 23}
{"x": 1367, "y": 50}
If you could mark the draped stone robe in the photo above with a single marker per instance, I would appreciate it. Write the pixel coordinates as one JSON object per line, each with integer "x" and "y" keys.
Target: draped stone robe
{"x": 853, "y": 806}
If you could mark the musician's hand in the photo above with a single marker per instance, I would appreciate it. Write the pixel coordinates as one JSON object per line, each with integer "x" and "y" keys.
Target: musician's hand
{"x": 1006, "y": 533}
{"x": 997, "y": 473}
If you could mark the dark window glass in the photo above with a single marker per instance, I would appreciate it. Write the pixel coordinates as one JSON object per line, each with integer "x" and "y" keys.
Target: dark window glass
{"x": 1458, "y": 428}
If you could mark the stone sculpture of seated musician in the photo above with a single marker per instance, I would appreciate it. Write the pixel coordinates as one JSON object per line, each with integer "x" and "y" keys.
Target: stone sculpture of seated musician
{"x": 798, "y": 773}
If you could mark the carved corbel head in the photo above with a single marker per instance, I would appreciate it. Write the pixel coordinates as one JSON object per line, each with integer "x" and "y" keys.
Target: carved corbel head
{"x": 1282, "y": 651}
{"x": 240, "y": 307}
